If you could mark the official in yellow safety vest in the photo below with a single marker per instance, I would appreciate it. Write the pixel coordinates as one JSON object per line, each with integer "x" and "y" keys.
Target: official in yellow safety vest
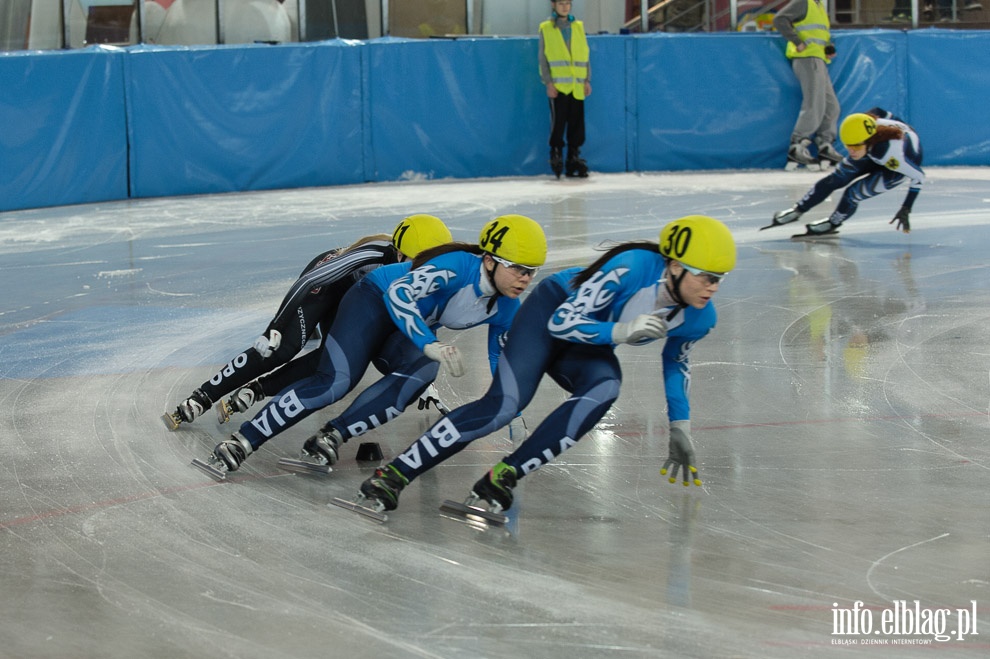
{"x": 565, "y": 69}
{"x": 805, "y": 25}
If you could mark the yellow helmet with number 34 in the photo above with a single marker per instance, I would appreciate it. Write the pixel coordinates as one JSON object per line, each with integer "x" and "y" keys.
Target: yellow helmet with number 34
{"x": 515, "y": 238}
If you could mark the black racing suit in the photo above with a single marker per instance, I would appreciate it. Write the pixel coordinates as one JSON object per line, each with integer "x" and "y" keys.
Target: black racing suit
{"x": 311, "y": 302}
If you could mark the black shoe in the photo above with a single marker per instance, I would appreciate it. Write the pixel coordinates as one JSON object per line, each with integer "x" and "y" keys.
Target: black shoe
{"x": 556, "y": 161}
{"x": 576, "y": 166}
{"x": 385, "y": 486}
{"x": 495, "y": 487}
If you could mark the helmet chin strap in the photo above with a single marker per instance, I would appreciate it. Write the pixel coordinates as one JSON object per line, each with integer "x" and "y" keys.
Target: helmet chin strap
{"x": 673, "y": 285}
{"x": 487, "y": 282}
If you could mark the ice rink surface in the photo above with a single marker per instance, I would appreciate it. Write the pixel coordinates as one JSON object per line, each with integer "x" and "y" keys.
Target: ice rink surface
{"x": 840, "y": 413}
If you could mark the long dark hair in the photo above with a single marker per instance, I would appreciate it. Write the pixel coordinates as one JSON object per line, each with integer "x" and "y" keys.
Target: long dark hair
{"x": 586, "y": 274}
{"x": 446, "y": 248}
{"x": 884, "y": 134}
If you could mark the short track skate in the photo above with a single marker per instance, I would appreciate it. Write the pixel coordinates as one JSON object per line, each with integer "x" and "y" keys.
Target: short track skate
{"x": 172, "y": 420}
{"x": 304, "y": 467}
{"x": 816, "y": 237}
{"x": 471, "y": 512}
{"x": 213, "y": 467}
{"x": 367, "y": 507}
{"x": 224, "y": 411}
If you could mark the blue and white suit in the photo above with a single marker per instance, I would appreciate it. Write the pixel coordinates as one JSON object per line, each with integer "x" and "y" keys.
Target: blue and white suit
{"x": 386, "y": 319}
{"x": 567, "y": 334}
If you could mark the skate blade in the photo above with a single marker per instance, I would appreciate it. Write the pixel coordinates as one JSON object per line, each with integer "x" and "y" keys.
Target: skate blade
{"x": 813, "y": 237}
{"x": 224, "y": 410}
{"x": 213, "y": 472}
{"x": 355, "y": 507}
{"x": 303, "y": 467}
{"x": 170, "y": 421}
{"x": 472, "y": 514}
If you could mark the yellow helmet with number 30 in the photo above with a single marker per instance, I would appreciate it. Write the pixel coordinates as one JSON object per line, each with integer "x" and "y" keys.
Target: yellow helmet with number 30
{"x": 700, "y": 242}
{"x": 420, "y": 232}
{"x": 515, "y": 238}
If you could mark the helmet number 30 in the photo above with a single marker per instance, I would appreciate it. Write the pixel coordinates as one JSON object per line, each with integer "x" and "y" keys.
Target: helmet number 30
{"x": 494, "y": 237}
{"x": 678, "y": 241}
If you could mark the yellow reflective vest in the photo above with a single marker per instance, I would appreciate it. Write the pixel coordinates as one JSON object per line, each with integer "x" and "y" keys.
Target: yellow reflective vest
{"x": 814, "y": 31}
{"x": 568, "y": 68}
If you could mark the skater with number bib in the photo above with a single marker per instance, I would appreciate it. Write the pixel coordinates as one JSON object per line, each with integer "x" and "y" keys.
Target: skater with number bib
{"x": 565, "y": 69}
{"x": 636, "y": 293}
{"x": 310, "y": 304}
{"x": 884, "y": 152}
{"x": 389, "y": 319}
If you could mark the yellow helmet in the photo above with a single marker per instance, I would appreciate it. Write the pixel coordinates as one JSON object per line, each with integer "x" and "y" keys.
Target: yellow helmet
{"x": 699, "y": 242}
{"x": 420, "y": 232}
{"x": 857, "y": 128}
{"x": 515, "y": 238}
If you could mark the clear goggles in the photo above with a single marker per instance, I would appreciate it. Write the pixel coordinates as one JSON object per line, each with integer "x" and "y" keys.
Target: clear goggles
{"x": 520, "y": 270}
{"x": 710, "y": 277}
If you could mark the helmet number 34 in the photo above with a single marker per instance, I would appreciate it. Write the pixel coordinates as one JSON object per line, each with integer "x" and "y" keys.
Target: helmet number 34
{"x": 494, "y": 237}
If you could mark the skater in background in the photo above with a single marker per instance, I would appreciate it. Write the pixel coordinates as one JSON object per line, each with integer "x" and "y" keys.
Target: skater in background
{"x": 884, "y": 152}
{"x": 310, "y": 304}
{"x": 565, "y": 69}
{"x": 805, "y": 26}
{"x": 389, "y": 318}
{"x": 635, "y": 293}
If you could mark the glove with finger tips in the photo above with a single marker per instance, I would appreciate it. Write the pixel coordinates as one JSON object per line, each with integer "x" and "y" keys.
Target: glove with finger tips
{"x": 903, "y": 224}
{"x": 642, "y": 327}
{"x": 432, "y": 397}
{"x": 681, "y": 454}
{"x": 266, "y": 344}
{"x": 447, "y": 355}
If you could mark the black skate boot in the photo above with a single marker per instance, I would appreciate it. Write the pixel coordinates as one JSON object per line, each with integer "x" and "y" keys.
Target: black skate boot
{"x": 576, "y": 166}
{"x": 384, "y": 487}
{"x": 495, "y": 487}
{"x": 827, "y": 156}
{"x": 318, "y": 453}
{"x": 188, "y": 410}
{"x": 239, "y": 401}
{"x": 228, "y": 455}
{"x": 798, "y": 155}
{"x": 815, "y": 230}
{"x": 322, "y": 447}
{"x": 556, "y": 161}
{"x": 233, "y": 451}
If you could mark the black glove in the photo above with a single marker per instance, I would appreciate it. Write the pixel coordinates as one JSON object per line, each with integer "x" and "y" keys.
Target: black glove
{"x": 681, "y": 454}
{"x": 902, "y": 220}
{"x": 830, "y": 50}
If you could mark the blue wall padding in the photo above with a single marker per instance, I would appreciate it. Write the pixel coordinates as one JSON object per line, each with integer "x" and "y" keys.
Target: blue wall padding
{"x": 205, "y": 120}
{"x": 145, "y": 121}
{"x": 948, "y": 94}
{"x": 63, "y": 137}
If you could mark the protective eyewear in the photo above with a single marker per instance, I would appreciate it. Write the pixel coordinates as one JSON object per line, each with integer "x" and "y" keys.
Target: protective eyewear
{"x": 710, "y": 277}
{"x": 520, "y": 270}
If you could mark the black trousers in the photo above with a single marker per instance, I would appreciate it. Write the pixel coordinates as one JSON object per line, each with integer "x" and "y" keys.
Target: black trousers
{"x": 566, "y": 118}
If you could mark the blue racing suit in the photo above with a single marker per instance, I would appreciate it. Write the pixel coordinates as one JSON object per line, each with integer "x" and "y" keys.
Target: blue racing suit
{"x": 567, "y": 334}
{"x": 386, "y": 319}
